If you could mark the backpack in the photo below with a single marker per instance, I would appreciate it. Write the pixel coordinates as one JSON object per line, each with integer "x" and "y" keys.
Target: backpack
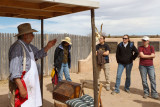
{"x": 131, "y": 45}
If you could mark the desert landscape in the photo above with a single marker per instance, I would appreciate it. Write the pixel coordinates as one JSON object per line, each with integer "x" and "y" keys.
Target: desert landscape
{"x": 62, "y": 18}
{"x": 134, "y": 99}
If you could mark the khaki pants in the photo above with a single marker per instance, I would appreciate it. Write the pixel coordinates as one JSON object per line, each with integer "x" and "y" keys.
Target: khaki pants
{"x": 106, "y": 70}
{"x": 12, "y": 88}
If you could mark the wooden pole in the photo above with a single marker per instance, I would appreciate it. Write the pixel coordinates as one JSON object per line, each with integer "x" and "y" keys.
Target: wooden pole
{"x": 95, "y": 79}
{"x": 46, "y": 63}
{"x": 42, "y": 45}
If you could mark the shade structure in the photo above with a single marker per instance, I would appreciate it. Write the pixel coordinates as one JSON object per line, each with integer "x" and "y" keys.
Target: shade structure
{"x": 43, "y": 9}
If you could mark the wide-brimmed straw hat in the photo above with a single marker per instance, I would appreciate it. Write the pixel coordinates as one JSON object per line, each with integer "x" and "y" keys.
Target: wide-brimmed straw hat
{"x": 24, "y": 29}
{"x": 67, "y": 39}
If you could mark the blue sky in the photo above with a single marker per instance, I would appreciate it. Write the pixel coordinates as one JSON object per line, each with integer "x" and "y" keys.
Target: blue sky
{"x": 119, "y": 17}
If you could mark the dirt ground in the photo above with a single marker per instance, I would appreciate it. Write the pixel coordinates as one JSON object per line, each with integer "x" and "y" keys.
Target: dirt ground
{"x": 134, "y": 99}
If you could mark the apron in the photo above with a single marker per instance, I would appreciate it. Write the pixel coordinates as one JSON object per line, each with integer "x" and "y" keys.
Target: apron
{"x": 31, "y": 79}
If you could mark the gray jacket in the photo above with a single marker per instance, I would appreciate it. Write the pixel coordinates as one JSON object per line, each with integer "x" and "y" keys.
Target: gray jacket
{"x": 16, "y": 58}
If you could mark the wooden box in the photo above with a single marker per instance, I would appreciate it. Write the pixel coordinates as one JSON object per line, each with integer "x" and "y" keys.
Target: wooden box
{"x": 66, "y": 90}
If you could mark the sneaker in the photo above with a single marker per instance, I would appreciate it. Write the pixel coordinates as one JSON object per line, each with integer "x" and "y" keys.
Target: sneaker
{"x": 128, "y": 91}
{"x": 107, "y": 88}
{"x": 114, "y": 92}
{"x": 155, "y": 97}
{"x": 145, "y": 96}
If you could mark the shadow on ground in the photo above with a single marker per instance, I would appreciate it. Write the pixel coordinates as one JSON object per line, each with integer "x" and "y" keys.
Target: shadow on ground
{"x": 4, "y": 101}
{"x": 147, "y": 104}
{"x": 132, "y": 90}
{"x": 50, "y": 87}
{"x": 47, "y": 103}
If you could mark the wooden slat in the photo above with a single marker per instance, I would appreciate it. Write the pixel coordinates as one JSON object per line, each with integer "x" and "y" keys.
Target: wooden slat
{"x": 1, "y": 56}
{"x": 59, "y": 9}
{"x": 25, "y": 12}
{"x": 31, "y": 17}
{"x": 19, "y": 13}
{"x": 45, "y": 6}
{"x": 79, "y": 44}
{"x": 59, "y": 14}
{"x": 22, "y": 16}
{"x": 19, "y": 4}
{"x": 78, "y": 9}
{"x": 39, "y": 9}
{"x": 8, "y": 14}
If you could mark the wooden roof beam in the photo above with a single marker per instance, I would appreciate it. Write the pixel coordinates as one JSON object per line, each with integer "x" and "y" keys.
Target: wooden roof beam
{"x": 32, "y": 17}
{"x": 52, "y": 7}
{"x": 19, "y": 4}
{"x": 7, "y": 14}
{"x": 78, "y": 9}
{"x": 60, "y": 9}
{"x": 59, "y": 14}
{"x": 46, "y": 5}
{"x": 22, "y": 16}
{"x": 25, "y": 11}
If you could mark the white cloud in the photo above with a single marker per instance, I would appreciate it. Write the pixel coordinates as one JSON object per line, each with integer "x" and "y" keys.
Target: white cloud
{"x": 7, "y": 26}
{"x": 74, "y": 24}
{"x": 118, "y": 17}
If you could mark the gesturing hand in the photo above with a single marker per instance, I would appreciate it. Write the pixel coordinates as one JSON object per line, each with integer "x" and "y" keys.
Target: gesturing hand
{"x": 50, "y": 44}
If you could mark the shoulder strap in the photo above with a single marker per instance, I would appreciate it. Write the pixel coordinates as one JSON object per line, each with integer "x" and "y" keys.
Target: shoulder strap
{"x": 121, "y": 44}
{"x": 24, "y": 57}
{"x": 131, "y": 44}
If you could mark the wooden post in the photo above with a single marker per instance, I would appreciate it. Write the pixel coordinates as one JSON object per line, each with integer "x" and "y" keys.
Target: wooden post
{"x": 46, "y": 64}
{"x": 42, "y": 45}
{"x": 95, "y": 79}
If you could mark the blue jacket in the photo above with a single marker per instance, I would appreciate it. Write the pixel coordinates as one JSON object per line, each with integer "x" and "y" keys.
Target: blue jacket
{"x": 58, "y": 56}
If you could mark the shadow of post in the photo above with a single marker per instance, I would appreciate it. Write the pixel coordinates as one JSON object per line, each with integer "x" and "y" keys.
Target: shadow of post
{"x": 50, "y": 87}
{"x": 147, "y": 104}
{"x": 4, "y": 101}
{"x": 47, "y": 103}
{"x": 132, "y": 90}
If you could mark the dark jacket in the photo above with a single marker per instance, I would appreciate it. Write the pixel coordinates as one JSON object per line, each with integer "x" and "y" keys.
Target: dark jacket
{"x": 126, "y": 55}
{"x": 58, "y": 56}
{"x": 100, "y": 58}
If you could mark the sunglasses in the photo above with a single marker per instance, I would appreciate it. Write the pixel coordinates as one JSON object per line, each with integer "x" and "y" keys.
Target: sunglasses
{"x": 125, "y": 38}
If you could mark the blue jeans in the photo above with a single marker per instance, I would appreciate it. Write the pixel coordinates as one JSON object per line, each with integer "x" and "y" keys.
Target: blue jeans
{"x": 144, "y": 70}
{"x": 119, "y": 74}
{"x": 64, "y": 69}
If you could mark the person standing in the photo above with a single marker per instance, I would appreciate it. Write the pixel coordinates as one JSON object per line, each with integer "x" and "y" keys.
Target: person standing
{"x": 22, "y": 56}
{"x": 125, "y": 54}
{"x": 102, "y": 52}
{"x": 146, "y": 67}
{"x": 62, "y": 59}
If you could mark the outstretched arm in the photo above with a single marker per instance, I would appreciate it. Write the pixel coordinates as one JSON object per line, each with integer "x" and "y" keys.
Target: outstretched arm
{"x": 43, "y": 52}
{"x": 49, "y": 45}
